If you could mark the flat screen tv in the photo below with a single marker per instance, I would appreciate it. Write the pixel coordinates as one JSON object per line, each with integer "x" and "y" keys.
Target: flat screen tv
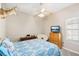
{"x": 55, "y": 29}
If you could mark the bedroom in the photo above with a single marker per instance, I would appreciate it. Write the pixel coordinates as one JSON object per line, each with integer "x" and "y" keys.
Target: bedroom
{"x": 27, "y": 21}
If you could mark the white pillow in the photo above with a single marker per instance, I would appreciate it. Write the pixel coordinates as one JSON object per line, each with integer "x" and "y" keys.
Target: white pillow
{"x": 8, "y": 44}
{"x": 42, "y": 36}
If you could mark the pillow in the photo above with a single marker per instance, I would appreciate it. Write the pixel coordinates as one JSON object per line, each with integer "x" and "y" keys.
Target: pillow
{"x": 42, "y": 36}
{"x": 9, "y": 45}
{"x": 3, "y": 51}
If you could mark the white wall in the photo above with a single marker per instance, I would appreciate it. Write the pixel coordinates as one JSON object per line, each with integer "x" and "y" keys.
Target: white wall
{"x": 22, "y": 24}
{"x": 59, "y": 19}
{"x": 2, "y": 28}
{"x": 0, "y": 5}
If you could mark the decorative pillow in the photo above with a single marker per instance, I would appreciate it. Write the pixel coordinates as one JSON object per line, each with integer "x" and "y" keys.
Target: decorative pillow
{"x": 42, "y": 36}
{"x": 9, "y": 45}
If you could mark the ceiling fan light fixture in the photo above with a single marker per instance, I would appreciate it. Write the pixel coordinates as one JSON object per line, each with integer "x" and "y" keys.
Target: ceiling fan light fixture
{"x": 43, "y": 10}
{"x": 41, "y": 15}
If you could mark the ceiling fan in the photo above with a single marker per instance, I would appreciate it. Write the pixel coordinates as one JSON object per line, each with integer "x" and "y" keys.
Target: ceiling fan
{"x": 43, "y": 12}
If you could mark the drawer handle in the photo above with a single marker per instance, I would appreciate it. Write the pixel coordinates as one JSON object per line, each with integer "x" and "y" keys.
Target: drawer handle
{"x": 56, "y": 42}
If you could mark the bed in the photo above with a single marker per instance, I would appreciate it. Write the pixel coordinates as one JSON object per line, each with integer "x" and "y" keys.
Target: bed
{"x": 35, "y": 47}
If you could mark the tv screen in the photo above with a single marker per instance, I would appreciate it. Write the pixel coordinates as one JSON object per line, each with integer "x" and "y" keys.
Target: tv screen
{"x": 55, "y": 28}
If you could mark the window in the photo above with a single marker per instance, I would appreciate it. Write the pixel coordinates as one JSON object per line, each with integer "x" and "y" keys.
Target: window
{"x": 72, "y": 29}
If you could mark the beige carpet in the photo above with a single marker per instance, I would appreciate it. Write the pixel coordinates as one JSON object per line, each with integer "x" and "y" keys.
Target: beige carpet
{"x": 68, "y": 53}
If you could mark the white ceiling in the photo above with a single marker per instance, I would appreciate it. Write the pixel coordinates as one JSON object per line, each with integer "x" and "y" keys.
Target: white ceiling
{"x": 31, "y": 8}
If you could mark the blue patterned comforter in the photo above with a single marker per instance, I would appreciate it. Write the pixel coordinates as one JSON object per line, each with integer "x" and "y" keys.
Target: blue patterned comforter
{"x": 36, "y": 47}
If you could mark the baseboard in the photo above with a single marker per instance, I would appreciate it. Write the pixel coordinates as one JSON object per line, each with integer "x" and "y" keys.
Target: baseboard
{"x": 76, "y": 52}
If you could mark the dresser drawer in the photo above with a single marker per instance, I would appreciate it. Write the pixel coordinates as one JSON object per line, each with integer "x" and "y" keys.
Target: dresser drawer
{"x": 56, "y": 39}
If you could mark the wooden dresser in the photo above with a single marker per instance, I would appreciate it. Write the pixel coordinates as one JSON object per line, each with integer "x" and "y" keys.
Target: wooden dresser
{"x": 56, "y": 38}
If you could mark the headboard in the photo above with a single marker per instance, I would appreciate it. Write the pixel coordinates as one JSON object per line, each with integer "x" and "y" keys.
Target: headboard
{"x": 28, "y": 37}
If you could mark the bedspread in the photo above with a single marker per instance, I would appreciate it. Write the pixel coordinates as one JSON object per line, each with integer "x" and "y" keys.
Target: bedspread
{"x": 36, "y": 47}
